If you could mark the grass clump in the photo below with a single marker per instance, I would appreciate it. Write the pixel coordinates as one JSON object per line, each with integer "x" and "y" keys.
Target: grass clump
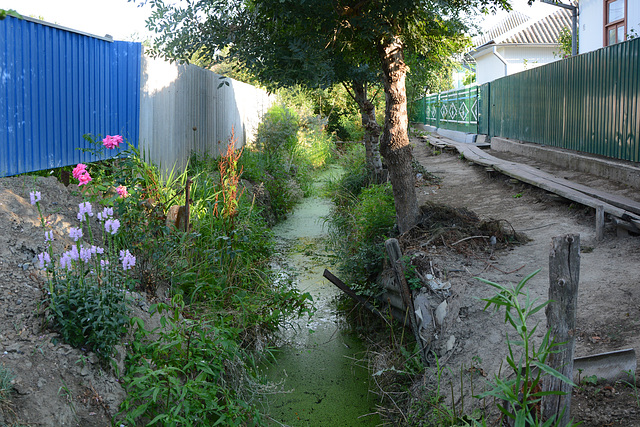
{"x": 362, "y": 218}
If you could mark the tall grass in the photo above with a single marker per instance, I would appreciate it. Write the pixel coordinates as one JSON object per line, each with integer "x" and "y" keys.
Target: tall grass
{"x": 362, "y": 218}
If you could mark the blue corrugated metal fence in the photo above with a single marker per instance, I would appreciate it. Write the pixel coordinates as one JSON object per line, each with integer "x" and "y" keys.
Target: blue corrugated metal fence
{"x": 57, "y": 85}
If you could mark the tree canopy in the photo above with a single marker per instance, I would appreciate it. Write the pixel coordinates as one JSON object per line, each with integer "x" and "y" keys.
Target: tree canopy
{"x": 316, "y": 43}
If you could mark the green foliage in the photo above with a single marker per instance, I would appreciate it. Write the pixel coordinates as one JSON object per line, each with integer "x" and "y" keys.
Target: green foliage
{"x": 373, "y": 213}
{"x": 469, "y": 78}
{"x": 277, "y": 137}
{"x": 6, "y": 376}
{"x": 359, "y": 223}
{"x": 89, "y": 314}
{"x": 566, "y": 43}
{"x": 10, "y": 12}
{"x": 528, "y": 365}
{"x": 187, "y": 372}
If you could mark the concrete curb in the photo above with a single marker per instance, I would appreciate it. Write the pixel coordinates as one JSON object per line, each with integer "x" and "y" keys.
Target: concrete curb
{"x": 626, "y": 173}
{"x": 467, "y": 138}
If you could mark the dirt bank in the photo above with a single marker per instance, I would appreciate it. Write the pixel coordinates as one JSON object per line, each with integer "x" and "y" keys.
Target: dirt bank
{"x": 608, "y": 310}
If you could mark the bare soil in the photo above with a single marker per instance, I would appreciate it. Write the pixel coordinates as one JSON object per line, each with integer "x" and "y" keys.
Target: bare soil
{"x": 53, "y": 384}
{"x": 608, "y": 309}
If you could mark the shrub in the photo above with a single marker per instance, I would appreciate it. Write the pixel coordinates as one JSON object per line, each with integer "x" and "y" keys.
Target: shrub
{"x": 88, "y": 284}
{"x": 358, "y": 227}
{"x": 187, "y": 372}
{"x": 277, "y": 137}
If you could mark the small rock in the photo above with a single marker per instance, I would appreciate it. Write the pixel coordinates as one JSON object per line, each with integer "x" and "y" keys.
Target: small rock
{"x": 18, "y": 302}
{"x": 20, "y": 387}
{"x": 41, "y": 382}
{"x": 14, "y": 347}
{"x": 93, "y": 358}
{"x": 451, "y": 342}
{"x": 85, "y": 370}
{"x": 441, "y": 312}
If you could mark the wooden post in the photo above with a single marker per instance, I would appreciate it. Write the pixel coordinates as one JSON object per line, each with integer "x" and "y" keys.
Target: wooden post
{"x": 186, "y": 204}
{"x": 395, "y": 257}
{"x": 564, "y": 272}
{"x": 599, "y": 222}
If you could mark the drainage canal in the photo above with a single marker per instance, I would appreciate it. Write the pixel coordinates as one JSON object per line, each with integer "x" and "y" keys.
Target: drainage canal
{"x": 323, "y": 381}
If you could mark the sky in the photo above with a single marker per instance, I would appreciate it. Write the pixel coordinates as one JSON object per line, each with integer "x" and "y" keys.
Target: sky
{"x": 122, "y": 19}
{"x": 118, "y": 18}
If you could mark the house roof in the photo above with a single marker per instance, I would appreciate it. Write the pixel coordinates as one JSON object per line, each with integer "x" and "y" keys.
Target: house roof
{"x": 543, "y": 31}
{"x": 513, "y": 20}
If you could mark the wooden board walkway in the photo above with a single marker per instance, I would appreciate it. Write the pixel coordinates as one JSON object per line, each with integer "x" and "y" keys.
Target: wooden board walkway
{"x": 617, "y": 206}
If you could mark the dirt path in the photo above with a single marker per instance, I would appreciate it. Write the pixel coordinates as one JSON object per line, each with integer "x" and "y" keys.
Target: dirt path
{"x": 608, "y": 309}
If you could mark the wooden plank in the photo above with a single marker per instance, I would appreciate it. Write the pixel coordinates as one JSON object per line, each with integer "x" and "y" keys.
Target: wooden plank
{"x": 347, "y": 290}
{"x": 395, "y": 259}
{"x": 551, "y": 183}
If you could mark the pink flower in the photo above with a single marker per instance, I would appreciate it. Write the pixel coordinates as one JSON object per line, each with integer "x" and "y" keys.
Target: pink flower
{"x": 112, "y": 141}
{"x": 85, "y": 178}
{"x": 79, "y": 170}
{"x": 122, "y": 191}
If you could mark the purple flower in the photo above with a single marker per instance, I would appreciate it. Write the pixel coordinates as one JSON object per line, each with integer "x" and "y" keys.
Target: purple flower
{"x": 97, "y": 250}
{"x": 44, "y": 258}
{"x": 84, "y": 209}
{"x": 73, "y": 253}
{"x": 112, "y": 225}
{"x": 65, "y": 261}
{"x": 75, "y": 233}
{"x": 105, "y": 214}
{"x": 127, "y": 259}
{"x": 85, "y": 254}
{"x": 104, "y": 262}
{"x": 35, "y": 196}
{"x": 48, "y": 236}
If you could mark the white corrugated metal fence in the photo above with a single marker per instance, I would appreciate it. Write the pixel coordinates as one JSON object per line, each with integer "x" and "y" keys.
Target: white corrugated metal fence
{"x": 184, "y": 108}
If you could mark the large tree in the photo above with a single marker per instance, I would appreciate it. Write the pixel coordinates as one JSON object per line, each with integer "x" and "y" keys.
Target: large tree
{"x": 316, "y": 42}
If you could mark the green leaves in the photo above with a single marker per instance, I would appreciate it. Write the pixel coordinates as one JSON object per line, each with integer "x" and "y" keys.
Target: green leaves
{"x": 89, "y": 315}
{"x": 190, "y": 373}
{"x": 524, "y": 391}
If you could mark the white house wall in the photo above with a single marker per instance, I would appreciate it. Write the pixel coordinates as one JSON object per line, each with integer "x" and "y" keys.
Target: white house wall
{"x": 591, "y": 23}
{"x": 518, "y": 58}
{"x": 488, "y": 68}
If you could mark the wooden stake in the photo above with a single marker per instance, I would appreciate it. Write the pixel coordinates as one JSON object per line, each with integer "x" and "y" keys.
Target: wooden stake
{"x": 599, "y": 222}
{"x": 395, "y": 258}
{"x": 564, "y": 272}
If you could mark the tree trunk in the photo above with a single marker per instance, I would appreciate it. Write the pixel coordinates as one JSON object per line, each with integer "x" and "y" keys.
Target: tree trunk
{"x": 371, "y": 129}
{"x": 394, "y": 145}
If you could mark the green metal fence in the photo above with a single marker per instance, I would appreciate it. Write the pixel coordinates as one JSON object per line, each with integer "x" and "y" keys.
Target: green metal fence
{"x": 588, "y": 103}
{"x": 455, "y": 110}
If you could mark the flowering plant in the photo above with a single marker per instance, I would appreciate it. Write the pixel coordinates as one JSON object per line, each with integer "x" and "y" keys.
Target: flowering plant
{"x": 88, "y": 284}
